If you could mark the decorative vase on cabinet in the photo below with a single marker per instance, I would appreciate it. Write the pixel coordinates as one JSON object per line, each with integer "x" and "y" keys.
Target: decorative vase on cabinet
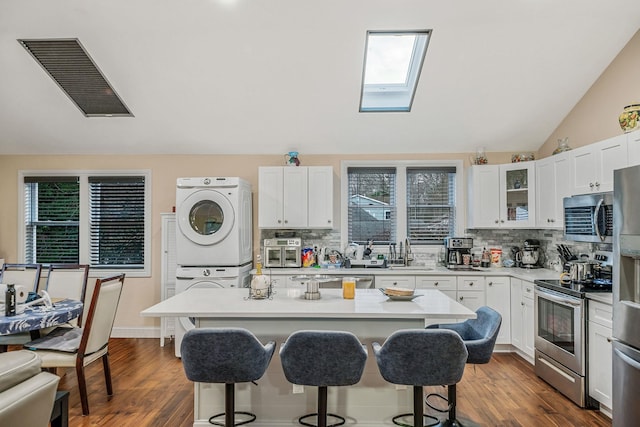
{"x": 629, "y": 118}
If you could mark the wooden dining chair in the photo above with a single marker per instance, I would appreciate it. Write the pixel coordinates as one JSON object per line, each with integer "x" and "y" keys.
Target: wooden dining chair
{"x": 28, "y": 276}
{"x": 76, "y": 348}
{"x": 68, "y": 281}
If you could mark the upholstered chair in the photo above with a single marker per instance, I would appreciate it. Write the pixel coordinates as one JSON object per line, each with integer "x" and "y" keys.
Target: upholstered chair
{"x": 26, "y": 393}
{"x": 228, "y": 356}
{"x": 418, "y": 358}
{"x": 479, "y": 336}
{"x": 68, "y": 347}
{"x": 323, "y": 359}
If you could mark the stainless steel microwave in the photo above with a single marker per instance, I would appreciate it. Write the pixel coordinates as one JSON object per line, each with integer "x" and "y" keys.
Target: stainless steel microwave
{"x": 589, "y": 218}
{"x": 282, "y": 252}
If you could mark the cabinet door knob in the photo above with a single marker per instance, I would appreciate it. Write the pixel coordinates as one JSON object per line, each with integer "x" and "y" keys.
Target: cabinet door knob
{"x": 502, "y": 220}
{"x": 328, "y": 221}
{"x": 521, "y": 303}
{"x": 597, "y": 184}
{"x": 461, "y": 298}
{"x": 285, "y": 221}
{"x": 279, "y": 221}
{"x": 470, "y": 283}
{"x": 497, "y": 221}
{"x": 435, "y": 284}
{"x": 490, "y": 283}
{"x": 609, "y": 339}
{"x": 591, "y": 185}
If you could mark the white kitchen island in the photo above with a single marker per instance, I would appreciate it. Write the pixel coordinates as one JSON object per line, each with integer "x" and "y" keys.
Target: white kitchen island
{"x": 370, "y": 315}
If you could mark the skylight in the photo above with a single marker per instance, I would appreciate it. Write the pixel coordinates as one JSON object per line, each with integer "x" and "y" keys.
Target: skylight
{"x": 392, "y": 64}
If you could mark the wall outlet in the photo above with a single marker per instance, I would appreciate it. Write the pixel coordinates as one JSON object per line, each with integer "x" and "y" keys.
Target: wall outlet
{"x": 297, "y": 389}
{"x": 400, "y": 387}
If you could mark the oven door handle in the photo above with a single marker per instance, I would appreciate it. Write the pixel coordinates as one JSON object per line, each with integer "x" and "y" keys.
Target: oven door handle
{"x": 560, "y": 300}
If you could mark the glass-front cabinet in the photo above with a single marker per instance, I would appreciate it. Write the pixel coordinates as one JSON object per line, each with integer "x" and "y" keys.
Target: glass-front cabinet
{"x": 518, "y": 196}
{"x": 501, "y": 196}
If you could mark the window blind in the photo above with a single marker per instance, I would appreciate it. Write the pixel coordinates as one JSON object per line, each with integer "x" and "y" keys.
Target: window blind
{"x": 372, "y": 213}
{"x": 431, "y": 196}
{"x": 52, "y": 214}
{"x": 116, "y": 221}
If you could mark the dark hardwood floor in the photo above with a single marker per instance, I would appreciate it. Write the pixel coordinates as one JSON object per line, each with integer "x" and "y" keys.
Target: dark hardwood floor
{"x": 150, "y": 389}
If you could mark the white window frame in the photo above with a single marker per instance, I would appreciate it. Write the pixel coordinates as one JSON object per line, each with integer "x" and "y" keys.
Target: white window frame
{"x": 401, "y": 191}
{"x": 83, "y": 230}
{"x": 394, "y": 97}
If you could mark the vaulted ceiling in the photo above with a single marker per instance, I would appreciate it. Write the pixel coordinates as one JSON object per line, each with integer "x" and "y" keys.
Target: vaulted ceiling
{"x": 270, "y": 76}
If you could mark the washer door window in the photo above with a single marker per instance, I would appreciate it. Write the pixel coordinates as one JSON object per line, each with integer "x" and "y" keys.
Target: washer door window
{"x": 206, "y": 217}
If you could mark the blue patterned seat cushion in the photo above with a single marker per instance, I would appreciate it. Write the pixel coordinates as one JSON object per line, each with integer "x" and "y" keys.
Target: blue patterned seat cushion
{"x": 323, "y": 358}
{"x": 421, "y": 357}
{"x": 224, "y": 355}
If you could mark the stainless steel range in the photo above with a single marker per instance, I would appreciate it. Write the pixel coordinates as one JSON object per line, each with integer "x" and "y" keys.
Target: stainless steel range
{"x": 560, "y": 340}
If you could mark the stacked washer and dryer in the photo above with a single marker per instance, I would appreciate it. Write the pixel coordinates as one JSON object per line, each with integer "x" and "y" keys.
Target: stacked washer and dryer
{"x": 214, "y": 237}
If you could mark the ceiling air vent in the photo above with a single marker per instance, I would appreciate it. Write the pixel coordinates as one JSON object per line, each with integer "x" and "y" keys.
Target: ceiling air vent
{"x": 71, "y": 67}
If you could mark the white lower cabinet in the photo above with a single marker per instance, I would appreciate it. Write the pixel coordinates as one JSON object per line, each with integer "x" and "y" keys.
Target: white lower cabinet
{"x": 522, "y": 317}
{"x": 471, "y": 291}
{"x": 395, "y": 281}
{"x": 446, "y": 284}
{"x": 600, "y": 352}
{"x": 498, "y": 292}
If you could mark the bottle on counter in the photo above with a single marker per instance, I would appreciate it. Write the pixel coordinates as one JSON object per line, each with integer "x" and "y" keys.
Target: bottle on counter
{"x": 485, "y": 261}
{"x": 10, "y": 300}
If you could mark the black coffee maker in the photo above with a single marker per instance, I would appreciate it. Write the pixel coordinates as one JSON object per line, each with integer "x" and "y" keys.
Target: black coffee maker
{"x": 455, "y": 250}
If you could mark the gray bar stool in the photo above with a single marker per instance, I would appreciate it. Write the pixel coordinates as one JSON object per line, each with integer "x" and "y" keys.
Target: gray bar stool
{"x": 421, "y": 357}
{"x": 479, "y": 336}
{"x": 322, "y": 359}
{"x": 225, "y": 355}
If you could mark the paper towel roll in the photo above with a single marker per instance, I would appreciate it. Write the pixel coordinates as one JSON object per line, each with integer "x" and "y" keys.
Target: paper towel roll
{"x": 21, "y": 294}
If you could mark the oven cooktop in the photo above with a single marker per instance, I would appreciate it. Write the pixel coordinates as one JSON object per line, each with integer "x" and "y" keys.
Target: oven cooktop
{"x": 577, "y": 289}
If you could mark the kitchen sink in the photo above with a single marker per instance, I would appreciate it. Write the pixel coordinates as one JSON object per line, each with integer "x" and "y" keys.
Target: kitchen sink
{"x": 464, "y": 268}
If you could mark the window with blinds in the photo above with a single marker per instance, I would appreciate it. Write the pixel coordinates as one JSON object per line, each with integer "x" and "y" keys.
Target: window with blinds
{"x": 431, "y": 210}
{"x": 116, "y": 221}
{"x": 372, "y": 213}
{"x": 93, "y": 218}
{"x": 52, "y": 219}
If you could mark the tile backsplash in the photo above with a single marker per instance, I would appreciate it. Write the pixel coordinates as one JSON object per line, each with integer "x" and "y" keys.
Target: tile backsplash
{"x": 428, "y": 255}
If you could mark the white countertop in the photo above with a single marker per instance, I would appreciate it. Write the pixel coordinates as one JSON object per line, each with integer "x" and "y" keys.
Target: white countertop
{"x": 289, "y": 303}
{"x": 519, "y": 273}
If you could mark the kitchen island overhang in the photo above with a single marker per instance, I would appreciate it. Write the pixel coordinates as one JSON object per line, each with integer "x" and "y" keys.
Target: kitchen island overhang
{"x": 371, "y": 316}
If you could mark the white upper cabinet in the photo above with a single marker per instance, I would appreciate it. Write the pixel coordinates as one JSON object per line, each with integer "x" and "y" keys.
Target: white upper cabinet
{"x": 633, "y": 148}
{"x": 295, "y": 197}
{"x": 320, "y": 197}
{"x": 501, "y": 196}
{"x": 593, "y": 165}
{"x": 553, "y": 183}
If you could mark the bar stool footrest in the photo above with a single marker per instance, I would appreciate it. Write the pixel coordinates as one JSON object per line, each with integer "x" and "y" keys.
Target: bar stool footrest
{"x": 401, "y": 424}
{"x": 252, "y": 418}
{"x": 426, "y": 401}
{"x": 340, "y": 422}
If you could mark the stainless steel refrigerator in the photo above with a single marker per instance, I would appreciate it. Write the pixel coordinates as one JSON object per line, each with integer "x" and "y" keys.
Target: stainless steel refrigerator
{"x": 626, "y": 297}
